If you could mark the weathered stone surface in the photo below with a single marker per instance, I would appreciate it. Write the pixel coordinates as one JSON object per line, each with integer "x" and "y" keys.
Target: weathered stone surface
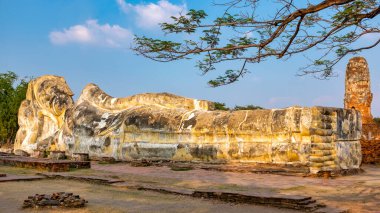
{"x": 358, "y": 95}
{"x": 16, "y": 178}
{"x": 169, "y": 127}
{"x": 93, "y": 94}
{"x": 153, "y": 131}
{"x": 57, "y": 155}
{"x": 80, "y": 157}
{"x": 43, "y": 164}
{"x": 43, "y": 116}
{"x": 370, "y": 150}
{"x": 57, "y": 199}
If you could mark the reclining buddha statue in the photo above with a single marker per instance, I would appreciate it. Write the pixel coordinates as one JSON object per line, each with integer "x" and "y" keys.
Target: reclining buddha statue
{"x": 165, "y": 126}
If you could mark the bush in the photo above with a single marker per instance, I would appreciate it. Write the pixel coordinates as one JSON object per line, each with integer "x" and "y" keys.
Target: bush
{"x": 11, "y": 96}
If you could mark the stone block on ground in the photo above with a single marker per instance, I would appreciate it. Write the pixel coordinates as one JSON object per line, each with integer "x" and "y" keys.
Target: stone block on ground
{"x": 57, "y": 155}
{"x": 80, "y": 157}
{"x": 58, "y": 199}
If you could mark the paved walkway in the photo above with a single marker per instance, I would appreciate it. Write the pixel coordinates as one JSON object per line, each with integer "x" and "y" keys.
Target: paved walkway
{"x": 359, "y": 193}
{"x": 11, "y": 177}
{"x": 106, "y": 199}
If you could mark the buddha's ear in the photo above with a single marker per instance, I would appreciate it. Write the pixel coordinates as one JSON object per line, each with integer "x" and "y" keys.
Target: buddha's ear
{"x": 66, "y": 87}
{"x": 29, "y": 91}
{"x": 68, "y": 90}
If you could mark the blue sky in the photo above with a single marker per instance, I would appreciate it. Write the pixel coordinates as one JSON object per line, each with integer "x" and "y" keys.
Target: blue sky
{"x": 88, "y": 41}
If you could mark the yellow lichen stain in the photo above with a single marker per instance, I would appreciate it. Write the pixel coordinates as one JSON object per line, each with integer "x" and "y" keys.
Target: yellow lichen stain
{"x": 264, "y": 158}
{"x": 107, "y": 150}
{"x": 234, "y": 151}
{"x": 131, "y": 128}
{"x": 222, "y": 155}
{"x": 293, "y": 156}
{"x": 280, "y": 156}
{"x": 52, "y": 147}
{"x": 182, "y": 154}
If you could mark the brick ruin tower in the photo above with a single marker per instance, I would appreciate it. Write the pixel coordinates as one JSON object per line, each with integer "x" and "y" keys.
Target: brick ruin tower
{"x": 358, "y": 88}
{"x": 358, "y": 95}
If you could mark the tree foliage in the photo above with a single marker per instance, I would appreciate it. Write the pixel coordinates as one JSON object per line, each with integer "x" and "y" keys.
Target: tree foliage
{"x": 11, "y": 96}
{"x": 377, "y": 120}
{"x": 222, "y": 106}
{"x": 248, "y": 107}
{"x": 245, "y": 33}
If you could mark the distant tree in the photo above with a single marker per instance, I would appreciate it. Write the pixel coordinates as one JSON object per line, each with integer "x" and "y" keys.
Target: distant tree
{"x": 248, "y": 107}
{"x": 220, "y": 106}
{"x": 377, "y": 121}
{"x": 251, "y": 31}
{"x": 11, "y": 96}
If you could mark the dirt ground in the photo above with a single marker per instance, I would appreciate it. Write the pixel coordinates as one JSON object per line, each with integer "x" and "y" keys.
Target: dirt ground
{"x": 357, "y": 193}
{"x": 111, "y": 199}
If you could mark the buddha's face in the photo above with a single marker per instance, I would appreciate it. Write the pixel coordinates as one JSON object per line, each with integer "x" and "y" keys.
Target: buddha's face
{"x": 55, "y": 95}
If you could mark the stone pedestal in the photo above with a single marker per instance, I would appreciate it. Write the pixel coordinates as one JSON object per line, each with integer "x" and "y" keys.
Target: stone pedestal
{"x": 20, "y": 152}
{"x": 57, "y": 155}
{"x": 38, "y": 154}
{"x": 80, "y": 157}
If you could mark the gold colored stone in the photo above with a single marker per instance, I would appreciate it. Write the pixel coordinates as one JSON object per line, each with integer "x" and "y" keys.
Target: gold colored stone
{"x": 358, "y": 93}
{"x": 169, "y": 127}
{"x": 321, "y": 139}
{"x": 44, "y": 116}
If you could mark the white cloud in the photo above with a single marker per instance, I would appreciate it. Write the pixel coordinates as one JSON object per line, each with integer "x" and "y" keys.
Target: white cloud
{"x": 124, "y": 6}
{"x": 150, "y": 15}
{"x": 92, "y": 33}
